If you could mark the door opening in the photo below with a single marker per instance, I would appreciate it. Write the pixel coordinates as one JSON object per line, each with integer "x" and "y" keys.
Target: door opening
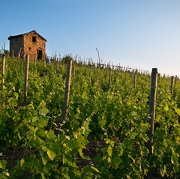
{"x": 39, "y": 54}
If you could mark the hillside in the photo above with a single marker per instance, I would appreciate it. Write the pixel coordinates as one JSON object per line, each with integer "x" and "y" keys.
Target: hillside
{"x": 104, "y": 132}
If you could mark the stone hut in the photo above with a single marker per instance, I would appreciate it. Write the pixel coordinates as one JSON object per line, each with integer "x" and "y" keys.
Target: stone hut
{"x": 30, "y": 43}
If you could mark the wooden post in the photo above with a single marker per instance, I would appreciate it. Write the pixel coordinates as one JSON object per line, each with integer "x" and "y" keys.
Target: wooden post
{"x": 172, "y": 85}
{"x": 154, "y": 76}
{"x": 3, "y": 71}
{"x": 67, "y": 89}
{"x": 26, "y": 80}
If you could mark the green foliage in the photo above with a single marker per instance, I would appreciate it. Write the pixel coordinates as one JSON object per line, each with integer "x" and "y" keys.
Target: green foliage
{"x": 115, "y": 116}
{"x": 4, "y": 173}
{"x": 66, "y": 59}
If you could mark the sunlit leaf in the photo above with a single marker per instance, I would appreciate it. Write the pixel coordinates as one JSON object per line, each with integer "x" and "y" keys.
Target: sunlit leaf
{"x": 109, "y": 151}
{"x": 21, "y": 162}
{"x": 178, "y": 111}
{"x": 166, "y": 108}
{"x": 51, "y": 154}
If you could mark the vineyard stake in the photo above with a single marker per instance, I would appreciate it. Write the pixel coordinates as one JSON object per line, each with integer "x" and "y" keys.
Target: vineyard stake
{"x": 67, "y": 89}
{"x": 3, "y": 71}
{"x": 26, "y": 79}
{"x": 154, "y": 76}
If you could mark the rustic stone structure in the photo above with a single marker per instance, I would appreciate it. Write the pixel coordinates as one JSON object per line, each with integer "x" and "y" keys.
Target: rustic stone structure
{"x": 30, "y": 43}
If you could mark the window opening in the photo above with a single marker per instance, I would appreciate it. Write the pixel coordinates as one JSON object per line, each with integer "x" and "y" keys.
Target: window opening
{"x": 34, "y": 39}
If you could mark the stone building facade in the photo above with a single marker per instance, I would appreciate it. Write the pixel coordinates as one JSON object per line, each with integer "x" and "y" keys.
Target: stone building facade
{"x": 30, "y": 43}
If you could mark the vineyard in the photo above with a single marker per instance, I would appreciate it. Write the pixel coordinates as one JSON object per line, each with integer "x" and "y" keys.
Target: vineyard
{"x": 97, "y": 128}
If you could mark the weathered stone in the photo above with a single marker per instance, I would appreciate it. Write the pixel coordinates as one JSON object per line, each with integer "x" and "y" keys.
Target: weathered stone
{"x": 30, "y": 43}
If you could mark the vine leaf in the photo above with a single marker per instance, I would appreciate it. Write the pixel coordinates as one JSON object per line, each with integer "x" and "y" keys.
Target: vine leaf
{"x": 51, "y": 154}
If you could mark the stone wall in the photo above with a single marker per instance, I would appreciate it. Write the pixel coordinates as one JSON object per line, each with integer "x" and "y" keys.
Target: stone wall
{"x": 16, "y": 46}
{"x": 29, "y": 43}
{"x": 34, "y": 45}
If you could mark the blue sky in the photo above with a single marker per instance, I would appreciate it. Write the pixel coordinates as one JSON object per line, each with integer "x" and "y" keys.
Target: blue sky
{"x": 141, "y": 34}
